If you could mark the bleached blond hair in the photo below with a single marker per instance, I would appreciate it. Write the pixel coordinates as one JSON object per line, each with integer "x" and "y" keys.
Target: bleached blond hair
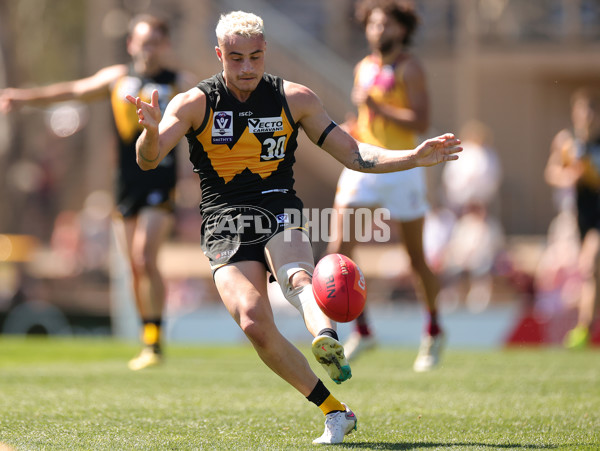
{"x": 239, "y": 23}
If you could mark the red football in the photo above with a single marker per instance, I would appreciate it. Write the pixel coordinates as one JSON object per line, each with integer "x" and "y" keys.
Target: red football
{"x": 339, "y": 288}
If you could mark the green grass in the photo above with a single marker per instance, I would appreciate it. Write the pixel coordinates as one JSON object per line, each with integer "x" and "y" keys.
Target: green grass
{"x": 59, "y": 394}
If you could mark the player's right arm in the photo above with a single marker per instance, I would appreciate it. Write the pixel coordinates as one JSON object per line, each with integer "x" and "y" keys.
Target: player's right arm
{"x": 184, "y": 113}
{"x": 87, "y": 89}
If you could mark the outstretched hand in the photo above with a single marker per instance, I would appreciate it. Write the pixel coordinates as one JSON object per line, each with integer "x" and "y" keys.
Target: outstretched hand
{"x": 437, "y": 150}
{"x": 148, "y": 113}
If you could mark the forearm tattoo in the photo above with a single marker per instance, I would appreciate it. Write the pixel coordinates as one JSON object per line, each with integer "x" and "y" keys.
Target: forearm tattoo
{"x": 367, "y": 159}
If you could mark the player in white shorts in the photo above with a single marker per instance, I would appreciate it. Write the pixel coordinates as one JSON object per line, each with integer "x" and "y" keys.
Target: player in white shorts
{"x": 393, "y": 107}
{"x": 404, "y": 194}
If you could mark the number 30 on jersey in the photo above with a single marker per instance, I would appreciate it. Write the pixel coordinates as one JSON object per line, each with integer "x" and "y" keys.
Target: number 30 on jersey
{"x": 273, "y": 148}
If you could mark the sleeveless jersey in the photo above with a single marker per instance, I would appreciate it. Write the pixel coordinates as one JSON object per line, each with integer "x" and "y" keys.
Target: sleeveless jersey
{"x": 130, "y": 176}
{"x": 243, "y": 150}
{"x": 384, "y": 86}
{"x": 589, "y": 154}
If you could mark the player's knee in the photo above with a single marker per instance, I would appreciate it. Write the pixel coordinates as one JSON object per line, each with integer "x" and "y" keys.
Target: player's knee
{"x": 143, "y": 262}
{"x": 293, "y": 277}
{"x": 251, "y": 329}
{"x": 137, "y": 264}
{"x": 295, "y": 281}
{"x": 420, "y": 266}
{"x": 252, "y": 318}
{"x": 256, "y": 330}
{"x": 300, "y": 279}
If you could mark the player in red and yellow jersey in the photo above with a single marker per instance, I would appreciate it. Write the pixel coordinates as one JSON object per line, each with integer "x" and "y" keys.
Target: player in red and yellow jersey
{"x": 241, "y": 126}
{"x": 144, "y": 200}
{"x": 391, "y": 96}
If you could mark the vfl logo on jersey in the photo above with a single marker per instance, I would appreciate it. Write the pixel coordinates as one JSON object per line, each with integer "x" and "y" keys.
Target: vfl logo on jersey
{"x": 222, "y": 128}
{"x": 283, "y": 218}
{"x": 265, "y": 125}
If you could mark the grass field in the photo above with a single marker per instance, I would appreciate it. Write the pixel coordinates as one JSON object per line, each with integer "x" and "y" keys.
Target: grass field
{"x": 59, "y": 394}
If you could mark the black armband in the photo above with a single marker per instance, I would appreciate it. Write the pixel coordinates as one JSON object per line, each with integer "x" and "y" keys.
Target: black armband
{"x": 325, "y": 133}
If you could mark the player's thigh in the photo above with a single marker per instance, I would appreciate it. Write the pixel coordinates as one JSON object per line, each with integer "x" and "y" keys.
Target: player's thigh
{"x": 289, "y": 247}
{"x": 404, "y": 194}
{"x": 350, "y": 226}
{"x": 152, "y": 229}
{"x": 412, "y": 236}
{"x": 242, "y": 287}
{"x": 357, "y": 188}
{"x": 124, "y": 229}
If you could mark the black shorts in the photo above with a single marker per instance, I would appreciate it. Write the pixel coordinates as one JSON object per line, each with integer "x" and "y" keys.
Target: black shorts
{"x": 234, "y": 233}
{"x": 588, "y": 209}
{"x": 130, "y": 202}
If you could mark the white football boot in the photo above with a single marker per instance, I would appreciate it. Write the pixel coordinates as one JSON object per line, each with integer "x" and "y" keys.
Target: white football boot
{"x": 148, "y": 358}
{"x": 330, "y": 353}
{"x": 337, "y": 425}
{"x": 357, "y": 344}
{"x": 429, "y": 352}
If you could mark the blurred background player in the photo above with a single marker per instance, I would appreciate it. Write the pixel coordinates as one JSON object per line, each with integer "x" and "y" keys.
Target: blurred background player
{"x": 391, "y": 95}
{"x": 477, "y": 237}
{"x": 575, "y": 162}
{"x": 144, "y": 212}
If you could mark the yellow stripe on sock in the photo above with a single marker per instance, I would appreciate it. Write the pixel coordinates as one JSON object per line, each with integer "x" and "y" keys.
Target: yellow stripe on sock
{"x": 151, "y": 334}
{"x": 331, "y": 404}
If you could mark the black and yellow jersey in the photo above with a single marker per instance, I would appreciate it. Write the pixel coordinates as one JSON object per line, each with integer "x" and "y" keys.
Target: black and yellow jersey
{"x": 244, "y": 150}
{"x": 589, "y": 155}
{"x": 130, "y": 177}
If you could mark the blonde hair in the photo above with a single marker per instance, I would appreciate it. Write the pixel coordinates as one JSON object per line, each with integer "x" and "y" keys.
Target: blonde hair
{"x": 239, "y": 23}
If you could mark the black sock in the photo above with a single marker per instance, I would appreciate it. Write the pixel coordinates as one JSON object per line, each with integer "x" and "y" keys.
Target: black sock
{"x": 319, "y": 394}
{"x": 329, "y": 332}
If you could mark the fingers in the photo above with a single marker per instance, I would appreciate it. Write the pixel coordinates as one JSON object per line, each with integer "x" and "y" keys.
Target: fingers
{"x": 154, "y": 101}
{"x": 137, "y": 102}
{"x": 448, "y": 142}
{"x": 450, "y": 146}
{"x": 453, "y": 148}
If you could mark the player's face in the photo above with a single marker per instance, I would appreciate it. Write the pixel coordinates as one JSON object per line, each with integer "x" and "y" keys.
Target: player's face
{"x": 147, "y": 47}
{"x": 243, "y": 61}
{"x": 383, "y": 32}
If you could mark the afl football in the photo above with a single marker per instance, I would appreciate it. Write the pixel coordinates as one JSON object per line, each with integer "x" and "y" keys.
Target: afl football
{"x": 339, "y": 288}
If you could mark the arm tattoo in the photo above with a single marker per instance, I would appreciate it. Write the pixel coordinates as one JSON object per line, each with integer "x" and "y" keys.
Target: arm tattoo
{"x": 370, "y": 160}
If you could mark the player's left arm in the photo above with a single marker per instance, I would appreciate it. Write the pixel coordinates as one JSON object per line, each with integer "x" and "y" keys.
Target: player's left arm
{"x": 309, "y": 112}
